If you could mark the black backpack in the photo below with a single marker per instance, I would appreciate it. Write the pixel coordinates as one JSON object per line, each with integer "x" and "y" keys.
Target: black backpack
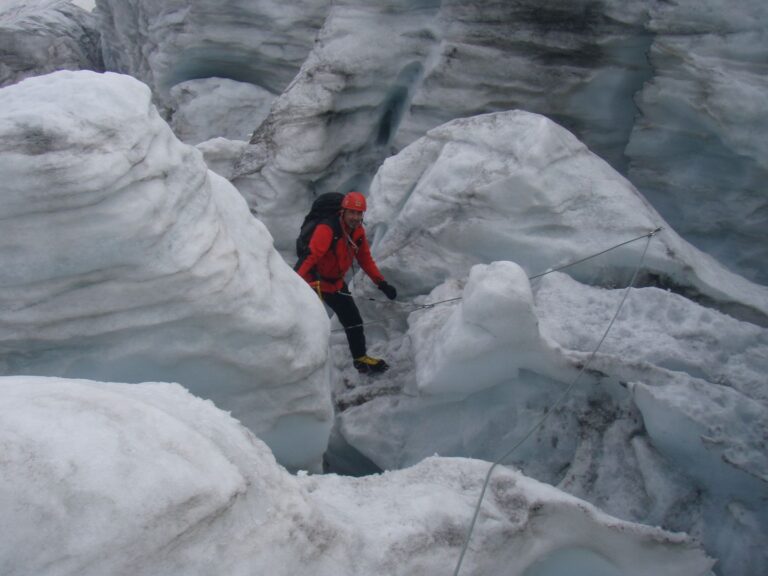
{"x": 325, "y": 210}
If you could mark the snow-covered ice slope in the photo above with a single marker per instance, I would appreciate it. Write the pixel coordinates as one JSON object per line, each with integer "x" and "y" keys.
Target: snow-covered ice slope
{"x": 164, "y": 43}
{"x": 516, "y": 186}
{"x": 125, "y": 259}
{"x": 467, "y": 214}
{"x": 697, "y": 149}
{"x": 101, "y": 478}
{"x": 42, "y": 36}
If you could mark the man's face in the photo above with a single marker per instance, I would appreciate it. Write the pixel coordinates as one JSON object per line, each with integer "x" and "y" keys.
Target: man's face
{"x": 352, "y": 218}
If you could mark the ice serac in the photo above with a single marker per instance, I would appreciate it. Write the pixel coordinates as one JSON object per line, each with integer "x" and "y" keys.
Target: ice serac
{"x": 217, "y": 108}
{"x": 125, "y": 259}
{"x": 478, "y": 345}
{"x": 334, "y": 125}
{"x": 42, "y": 36}
{"x": 380, "y": 77}
{"x": 516, "y": 186}
{"x": 579, "y": 62}
{"x": 463, "y": 217}
{"x": 670, "y": 94}
{"x": 704, "y": 110}
{"x": 165, "y": 43}
{"x": 103, "y": 478}
{"x": 682, "y": 448}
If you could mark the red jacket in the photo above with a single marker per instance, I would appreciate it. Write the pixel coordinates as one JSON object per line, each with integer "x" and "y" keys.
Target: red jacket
{"x": 330, "y": 264}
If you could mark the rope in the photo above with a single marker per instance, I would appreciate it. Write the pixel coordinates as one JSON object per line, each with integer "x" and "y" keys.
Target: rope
{"x": 555, "y": 405}
{"x": 416, "y": 307}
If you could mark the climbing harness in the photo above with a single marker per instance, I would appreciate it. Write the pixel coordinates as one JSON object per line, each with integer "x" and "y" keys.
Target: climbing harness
{"x": 415, "y": 307}
{"x": 559, "y": 399}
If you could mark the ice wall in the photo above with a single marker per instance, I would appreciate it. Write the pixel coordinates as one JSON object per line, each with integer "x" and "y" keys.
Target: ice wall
{"x": 705, "y": 107}
{"x": 125, "y": 259}
{"x": 102, "y": 478}
{"x": 165, "y": 43}
{"x": 667, "y": 424}
{"x": 42, "y": 36}
{"x": 516, "y": 186}
{"x": 335, "y": 123}
{"x": 671, "y": 95}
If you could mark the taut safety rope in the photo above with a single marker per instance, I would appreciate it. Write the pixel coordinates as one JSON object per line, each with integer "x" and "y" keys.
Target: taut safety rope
{"x": 557, "y": 402}
{"x": 565, "y": 393}
{"x": 414, "y": 307}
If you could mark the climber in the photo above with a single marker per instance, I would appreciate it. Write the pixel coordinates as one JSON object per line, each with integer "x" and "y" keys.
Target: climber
{"x": 334, "y": 243}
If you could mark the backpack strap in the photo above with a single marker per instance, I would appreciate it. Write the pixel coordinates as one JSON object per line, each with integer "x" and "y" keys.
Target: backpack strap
{"x": 335, "y": 225}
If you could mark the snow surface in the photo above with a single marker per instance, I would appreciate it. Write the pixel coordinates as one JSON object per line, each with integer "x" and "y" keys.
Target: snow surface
{"x": 672, "y": 95}
{"x": 334, "y": 124}
{"x": 707, "y": 102}
{"x": 217, "y": 108}
{"x": 516, "y": 186}
{"x": 668, "y": 425}
{"x": 125, "y": 259}
{"x": 103, "y": 478}
{"x": 42, "y": 36}
{"x": 164, "y": 43}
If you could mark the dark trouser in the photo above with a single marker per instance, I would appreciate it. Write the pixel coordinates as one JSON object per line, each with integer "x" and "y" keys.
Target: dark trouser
{"x": 346, "y": 311}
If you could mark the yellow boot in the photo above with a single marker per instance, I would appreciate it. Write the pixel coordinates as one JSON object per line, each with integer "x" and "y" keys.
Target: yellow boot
{"x": 369, "y": 365}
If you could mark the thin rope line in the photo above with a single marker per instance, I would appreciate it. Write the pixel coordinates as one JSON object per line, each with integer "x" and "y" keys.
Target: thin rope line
{"x": 648, "y": 235}
{"x": 416, "y": 307}
{"x": 551, "y": 409}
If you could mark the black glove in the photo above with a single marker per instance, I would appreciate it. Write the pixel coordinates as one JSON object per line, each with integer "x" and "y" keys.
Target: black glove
{"x": 389, "y": 291}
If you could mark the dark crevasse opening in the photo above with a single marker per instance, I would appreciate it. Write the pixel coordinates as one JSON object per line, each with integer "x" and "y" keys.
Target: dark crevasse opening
{"x": 396, "y": 102}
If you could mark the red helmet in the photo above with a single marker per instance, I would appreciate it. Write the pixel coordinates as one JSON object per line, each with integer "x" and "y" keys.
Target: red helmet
{"x": 354, "y": 201}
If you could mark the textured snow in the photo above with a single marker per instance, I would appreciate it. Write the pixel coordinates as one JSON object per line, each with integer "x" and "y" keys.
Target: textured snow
{"x": 465, "y": 215}
{"x": 334, "y": 124}
{"x": 106, "y": 218}
{"x": 217, "y": 108}
{"x": 125, "y": 259}
{"x": 670, "y": 94}
{"x": 706, "y": 103}
{"x": 516, "y": 186}
{"x": 104, "y": 478}
{"x": 164, "y": 43}
{"x": 42, "y": 36}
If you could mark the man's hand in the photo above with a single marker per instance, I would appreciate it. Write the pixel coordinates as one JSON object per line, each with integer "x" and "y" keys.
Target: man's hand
{"x": 389, "y": 290}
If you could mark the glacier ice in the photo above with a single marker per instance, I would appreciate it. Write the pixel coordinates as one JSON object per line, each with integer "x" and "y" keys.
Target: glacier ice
{"x": 217, "y": 108}
{"x": 673, "y": 102}
{"x": 102, "y": 478}
{"x": 465, "y": 216}
{"x": 125, "y": 259}
{"x": 334, "y": 124}
{"x": 516, "y": 186}
{"x": 487, "y": 339}
{"x": 706, "y": 105}
{"x": 42, "y": 36}
{"x": 678, "y": 444}
{"x": 166, "y": 43}
{"x": 670, "y": 94}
